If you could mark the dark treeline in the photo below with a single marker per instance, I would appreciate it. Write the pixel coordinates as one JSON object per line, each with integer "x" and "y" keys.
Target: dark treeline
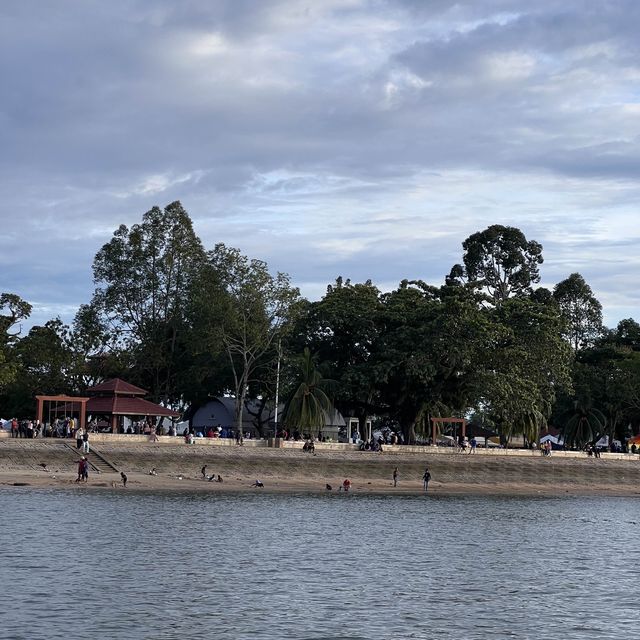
{"x": 188, "y": 323}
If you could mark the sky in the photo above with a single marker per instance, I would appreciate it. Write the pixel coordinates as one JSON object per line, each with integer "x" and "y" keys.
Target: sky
{"x": 357, "y": 138}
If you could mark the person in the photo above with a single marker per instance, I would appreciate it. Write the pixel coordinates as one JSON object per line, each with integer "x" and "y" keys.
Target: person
{"x": 153, "y": 472}
{"x": 203, "y": 471}
{"x": 123, "y": 475}
{"x": 83, "y": 470}
{"x": 474, "y": 444}
{"x": 257, "y": 483}
{"x": 85, "y": 441}
{"x": 80, "y": 469}
{"x": 395, "y": 477}
{"x": 346, "y": 485}
{"x": 79, "y": 433}
{"x": 425, "y": 479}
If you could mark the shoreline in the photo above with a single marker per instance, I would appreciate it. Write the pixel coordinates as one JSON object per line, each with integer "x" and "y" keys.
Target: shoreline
{"x": 291, "y": 471}
{"x": 141, "y": 483}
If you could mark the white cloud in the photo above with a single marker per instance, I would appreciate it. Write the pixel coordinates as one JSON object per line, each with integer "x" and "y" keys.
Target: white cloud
{"x": 366, "y": 138}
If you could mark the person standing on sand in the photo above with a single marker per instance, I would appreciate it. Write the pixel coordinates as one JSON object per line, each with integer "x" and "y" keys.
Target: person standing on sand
{"x": 83, "y": 470}
{"x": 395, "y": 477}
{"x": 123, "y": 475}
{"x": 425, "y": 479}
{"x": 203, "y": 471}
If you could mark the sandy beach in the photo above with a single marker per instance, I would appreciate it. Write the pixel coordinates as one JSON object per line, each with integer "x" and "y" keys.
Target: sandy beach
{"x": 178, "y": 468}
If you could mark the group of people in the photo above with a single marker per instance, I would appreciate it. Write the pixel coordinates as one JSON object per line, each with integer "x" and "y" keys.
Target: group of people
{"x": 210, "y": 477}
{"x": 82, "y": 439}
{"x": 372, "y": 445}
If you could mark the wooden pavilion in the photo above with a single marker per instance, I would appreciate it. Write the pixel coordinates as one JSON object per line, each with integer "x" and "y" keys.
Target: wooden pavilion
{"x": 116, "y": 398}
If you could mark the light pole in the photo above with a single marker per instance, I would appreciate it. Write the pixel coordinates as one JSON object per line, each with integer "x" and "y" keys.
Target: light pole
{"x": 275, "y": 414}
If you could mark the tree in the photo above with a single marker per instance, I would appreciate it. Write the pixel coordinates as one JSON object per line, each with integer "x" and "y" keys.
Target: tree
{"x": 144, "y": 277}
{"x": 258, "y": 307}
{"x": 43, "y": 363}
{"x": 14, "y": 309}
{"x": 527, "y": 366}
{"x": 499, "y": 261}
{"x": 581, "y": 311}
{"x": 342, "y": 329}
{"x": 586, "y": 424}
{"x": 310, "y": 403}
{"x": 429, "y": 353}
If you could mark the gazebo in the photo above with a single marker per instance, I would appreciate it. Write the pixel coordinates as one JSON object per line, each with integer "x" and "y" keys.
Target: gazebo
{"x": 115, "y": 398}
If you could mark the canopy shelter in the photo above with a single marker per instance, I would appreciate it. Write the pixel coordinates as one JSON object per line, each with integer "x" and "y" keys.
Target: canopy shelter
{"x": 61, "y": 406}
{"x": 116, "y": 398}
{"x": 435, "y": 422}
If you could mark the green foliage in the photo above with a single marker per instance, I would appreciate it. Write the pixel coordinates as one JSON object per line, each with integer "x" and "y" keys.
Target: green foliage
{"x": 586, "y": 424}
{"x": 258, "y": 308}
{"x": 310, "y": 404}
{"x": 343, "y": 329}
{"x": 145, "y": 276}
{"x": 14, "y": 309}
{"x": 580, "y": 310}
{"x": 499, "y": 261}
{"x": 528, "y": 365}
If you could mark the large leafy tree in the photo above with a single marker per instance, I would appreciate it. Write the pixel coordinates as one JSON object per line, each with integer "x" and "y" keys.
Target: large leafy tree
{"x": 500, "y": 262}
{"x": 429, "y": 353}
{"x": 580, "y": 309}
{"x": 606, "y": 382}
{"x": 527, "y": 366}
{"x": 255, "y": 312}
{"x": 13, "y": 309}
{"x": 44, "y": 363}
{"x": 343, "y": 329}
{"x": 144, "y": 278}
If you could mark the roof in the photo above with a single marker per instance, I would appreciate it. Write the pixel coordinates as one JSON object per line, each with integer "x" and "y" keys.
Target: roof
{"x": 117, "y": 387}
{"x": 123, "y": 406}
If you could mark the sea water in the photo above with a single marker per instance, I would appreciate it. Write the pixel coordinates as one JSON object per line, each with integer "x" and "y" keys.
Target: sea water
{"x": 128, "y": 565}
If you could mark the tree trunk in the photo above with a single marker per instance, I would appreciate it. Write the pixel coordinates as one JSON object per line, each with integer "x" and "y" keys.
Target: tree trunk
{"x": 409, "y": 432}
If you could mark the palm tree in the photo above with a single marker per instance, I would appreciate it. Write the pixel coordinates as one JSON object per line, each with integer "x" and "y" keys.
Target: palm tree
{"x": 311, "y": 402}
{"x": 530, "y": 423}
{"x": 586, "y": 424}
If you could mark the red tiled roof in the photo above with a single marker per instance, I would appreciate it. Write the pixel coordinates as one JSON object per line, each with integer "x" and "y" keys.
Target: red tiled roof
{"x": 118, "y": 387}
{"x": 127, "y": 407}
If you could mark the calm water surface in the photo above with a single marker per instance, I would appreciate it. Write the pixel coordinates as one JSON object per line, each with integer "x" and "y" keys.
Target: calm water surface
{"x": 100, "y": 565}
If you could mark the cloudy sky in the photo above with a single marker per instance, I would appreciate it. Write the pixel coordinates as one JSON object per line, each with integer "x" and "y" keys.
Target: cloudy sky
{"x": 362, "y": 138}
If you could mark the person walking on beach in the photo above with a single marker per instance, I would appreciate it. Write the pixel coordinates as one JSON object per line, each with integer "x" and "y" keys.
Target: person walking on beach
{"x": 425, "y": 479}
{"x": 395, "y": 477}
{"x": 203, "y": 471}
